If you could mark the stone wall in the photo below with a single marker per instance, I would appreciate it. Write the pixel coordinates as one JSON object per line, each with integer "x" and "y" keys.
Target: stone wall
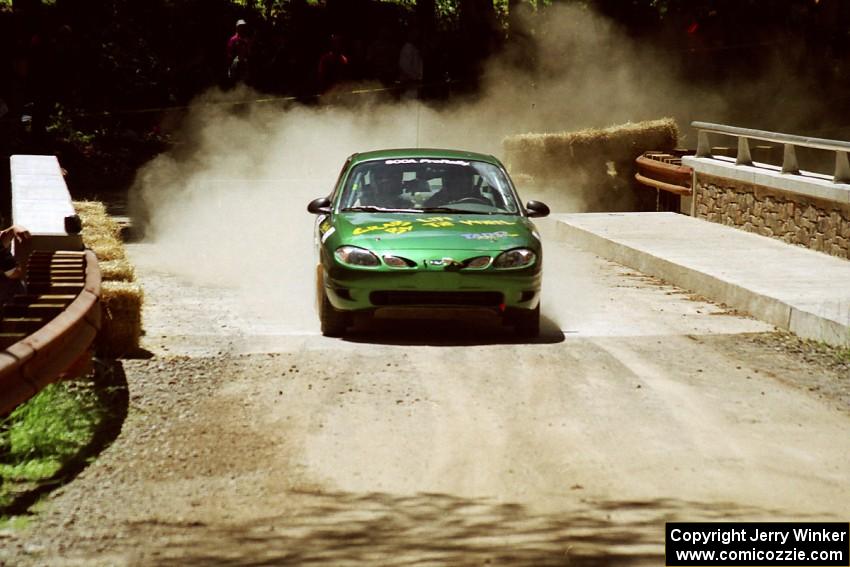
{"x": 819, "y": 224}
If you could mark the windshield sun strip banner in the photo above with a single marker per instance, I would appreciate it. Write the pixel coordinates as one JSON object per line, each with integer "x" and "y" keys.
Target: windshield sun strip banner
{"x": 426, "y": 160}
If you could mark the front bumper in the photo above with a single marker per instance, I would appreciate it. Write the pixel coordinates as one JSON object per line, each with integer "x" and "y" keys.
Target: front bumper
{"x": 436, "y": 290}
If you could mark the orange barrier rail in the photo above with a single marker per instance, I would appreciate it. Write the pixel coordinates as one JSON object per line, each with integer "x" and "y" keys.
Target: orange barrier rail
{"x": 64, "y": 293}
{"x": 665, "y": 172}
{"x": 670, "y": 188}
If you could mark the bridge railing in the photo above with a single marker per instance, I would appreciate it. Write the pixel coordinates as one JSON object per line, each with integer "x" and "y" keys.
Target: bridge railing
{"x": 789, "y": 141}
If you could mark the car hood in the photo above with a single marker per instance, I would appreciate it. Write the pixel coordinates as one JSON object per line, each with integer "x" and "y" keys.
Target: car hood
{"x": 407, "y": 231}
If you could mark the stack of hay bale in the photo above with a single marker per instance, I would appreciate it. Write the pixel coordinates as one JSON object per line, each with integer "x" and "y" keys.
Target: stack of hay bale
{"x": 597, "y": 165}
{"x": 121, "y": 297}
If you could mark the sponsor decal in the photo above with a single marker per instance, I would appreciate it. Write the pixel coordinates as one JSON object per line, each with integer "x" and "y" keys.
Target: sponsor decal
{"x": 400, "y": 227}
{"x": 392, "y": 227}
{"x": 445, "y": 161}
{"x": 426, "y": 160}
{"x": 488, "y": 222}
{"x": 327, "y": 234}
{"x": 436, "y": 222}
{"x": 488, "y": 235}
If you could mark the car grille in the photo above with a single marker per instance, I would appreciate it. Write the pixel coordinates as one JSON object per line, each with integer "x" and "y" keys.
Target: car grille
{"x": 476, "y": 298}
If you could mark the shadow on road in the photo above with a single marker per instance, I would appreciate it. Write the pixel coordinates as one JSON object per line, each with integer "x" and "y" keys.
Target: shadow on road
{"x": 426, "y": 332}
{"x": 434, "y": 529}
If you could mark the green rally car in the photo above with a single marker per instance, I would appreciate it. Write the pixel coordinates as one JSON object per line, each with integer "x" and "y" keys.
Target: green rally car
{"x": 427, "y": 232}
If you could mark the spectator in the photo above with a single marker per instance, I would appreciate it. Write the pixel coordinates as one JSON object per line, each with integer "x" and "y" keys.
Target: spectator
{"x": 10, "y": 281}
{"x": 333, "y": 65}
{"x": 239, "y": 48}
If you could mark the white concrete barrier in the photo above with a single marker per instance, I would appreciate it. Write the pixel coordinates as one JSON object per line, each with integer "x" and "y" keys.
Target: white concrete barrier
{"x": 41, "y": 202}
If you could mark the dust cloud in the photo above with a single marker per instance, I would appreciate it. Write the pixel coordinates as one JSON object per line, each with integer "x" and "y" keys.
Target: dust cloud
{"x": 227, "y": 206}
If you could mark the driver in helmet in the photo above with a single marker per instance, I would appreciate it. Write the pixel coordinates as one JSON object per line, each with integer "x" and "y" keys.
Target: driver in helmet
{"x": 458, "y": 184}
{"x": 384, "y": 189}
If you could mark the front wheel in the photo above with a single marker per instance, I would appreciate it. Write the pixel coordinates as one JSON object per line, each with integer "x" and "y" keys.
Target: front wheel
{"x": 527, "y": 323}
{"x": 333, "y": 321}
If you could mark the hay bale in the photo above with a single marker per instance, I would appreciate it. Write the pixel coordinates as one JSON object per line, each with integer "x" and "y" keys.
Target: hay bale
{"x": 95, "y": 218}
{"x": 597, "y": 164}
{"x": 100, "y": 233}
{"x": 117, "y": 270}
{"x": 121, "y": 299}
{"x": 90, "y": 208}
{"x": 106, "y": 248}
{"x": 121, "y": 326}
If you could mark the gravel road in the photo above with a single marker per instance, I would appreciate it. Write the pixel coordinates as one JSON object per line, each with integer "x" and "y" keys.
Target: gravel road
{"x": 252, "y": 440}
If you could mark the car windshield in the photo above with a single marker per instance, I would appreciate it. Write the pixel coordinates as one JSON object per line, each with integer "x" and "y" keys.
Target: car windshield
{"x": 429, "y": 185}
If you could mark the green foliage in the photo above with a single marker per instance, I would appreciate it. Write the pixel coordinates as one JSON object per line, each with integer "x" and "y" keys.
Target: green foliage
{"x": 43, "y": 435}
{"x": 62, "y": 127}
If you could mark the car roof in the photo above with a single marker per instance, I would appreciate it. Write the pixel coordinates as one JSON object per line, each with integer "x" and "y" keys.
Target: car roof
{"x": 422, "y": 153}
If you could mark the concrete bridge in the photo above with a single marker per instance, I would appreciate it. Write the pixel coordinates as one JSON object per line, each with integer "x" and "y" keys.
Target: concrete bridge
{"x": 781, "y": 252}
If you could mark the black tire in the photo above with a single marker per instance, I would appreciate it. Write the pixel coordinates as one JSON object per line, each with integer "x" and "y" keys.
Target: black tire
{"x": 334, "y": 322}
{"x": 527, "y": 323}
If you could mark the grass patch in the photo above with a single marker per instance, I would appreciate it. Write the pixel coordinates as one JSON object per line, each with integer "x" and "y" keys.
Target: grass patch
{"x": 52, "y": 436}
{"x": 40, "y": 436}
{"x": 15, "y": 523}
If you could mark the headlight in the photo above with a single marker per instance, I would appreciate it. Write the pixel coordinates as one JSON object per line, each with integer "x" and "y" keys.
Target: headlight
{"x": 477, "y": 263}
{"x": 354, "y": 256}
{"x": 398, "y": 262}
{"x": 514, "y": 259}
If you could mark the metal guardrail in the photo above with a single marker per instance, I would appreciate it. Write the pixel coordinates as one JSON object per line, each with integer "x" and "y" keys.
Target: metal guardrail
{"x": 63, "y": 303}
{"x": 789, "y": 141}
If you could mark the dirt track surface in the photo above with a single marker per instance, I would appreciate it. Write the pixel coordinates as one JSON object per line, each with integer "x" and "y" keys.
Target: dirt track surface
{"x": 252, "y": 440}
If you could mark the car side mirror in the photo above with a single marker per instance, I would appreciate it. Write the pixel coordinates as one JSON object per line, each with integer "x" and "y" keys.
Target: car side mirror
{"x": 537, "y": 209}
{"x": 320, "y": 206}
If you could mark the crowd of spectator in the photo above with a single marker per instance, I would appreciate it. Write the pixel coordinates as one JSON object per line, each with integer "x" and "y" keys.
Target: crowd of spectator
{"x": 126, "y": 55}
